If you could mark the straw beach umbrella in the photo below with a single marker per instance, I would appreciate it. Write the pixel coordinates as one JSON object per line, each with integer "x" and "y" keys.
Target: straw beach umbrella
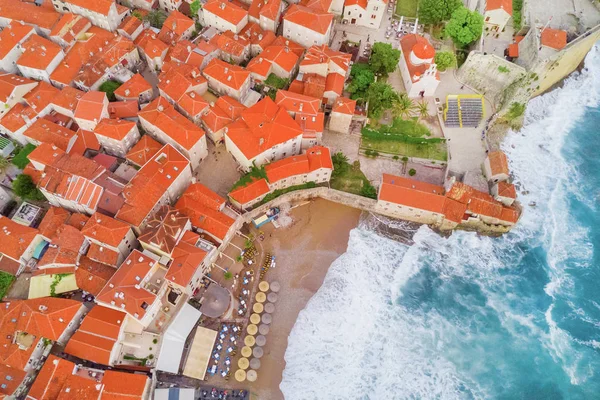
{"x": 243, "y": 363}
{"x": 251, "y": 375}
{"x": 261, "y": 297}
{"x": 258, "y": 352}
{"x": 272, "y": 297}
{"x": 240, "y": 375}
{"x": 252, "y": 329}
{"x": 266, "y": 318}
{"x": 275, "y": 286}
{"x": 255, "y": 319}
{"x": 249, "y": 341}
{"x": 258, "y": 308}
{"x": 263, "y": 286}
{"x": 246, "y": 351}
{"x": 261, "y": 340}
{"x": 255, "y": 363}
{"x": 263, "y": 329}
{"x": 270, "y": 308}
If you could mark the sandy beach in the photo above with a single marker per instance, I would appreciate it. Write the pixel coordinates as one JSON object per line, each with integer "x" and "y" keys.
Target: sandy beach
{"x": 304, "y": 251}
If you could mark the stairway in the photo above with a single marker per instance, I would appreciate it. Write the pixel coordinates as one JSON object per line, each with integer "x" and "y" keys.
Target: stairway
{"x": 463, "y": 111}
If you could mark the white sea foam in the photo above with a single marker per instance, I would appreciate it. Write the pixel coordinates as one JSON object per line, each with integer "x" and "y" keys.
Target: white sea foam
{"x": 366, "y": 333}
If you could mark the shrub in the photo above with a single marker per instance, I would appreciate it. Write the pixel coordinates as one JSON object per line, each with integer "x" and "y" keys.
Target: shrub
{"x": 396, "y": 158}
{"x": 228, "y": 275}
{"x": 151, "y": 356}
{"x": 503, "y": 69}
{"x": 412, "y": 172}
{"x": 24, "y": 187}
{"x": 109, "y": 88}
{"x": 368, "y": 190}
{"x": 405, "y": 159}
{"x": 444, "y": 60}
{"x": 154, "y": 340}
{"x": 21, "y": 160}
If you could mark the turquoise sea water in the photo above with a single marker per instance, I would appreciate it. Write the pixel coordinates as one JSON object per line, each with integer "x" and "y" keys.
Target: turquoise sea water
{"x": 469, "y": 317}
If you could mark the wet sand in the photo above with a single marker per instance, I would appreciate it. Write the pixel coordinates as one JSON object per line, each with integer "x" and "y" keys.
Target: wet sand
{"x": 304, "y": 251}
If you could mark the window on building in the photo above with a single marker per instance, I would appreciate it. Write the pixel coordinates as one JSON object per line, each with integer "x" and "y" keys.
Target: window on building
{"x": 373, "y": 16}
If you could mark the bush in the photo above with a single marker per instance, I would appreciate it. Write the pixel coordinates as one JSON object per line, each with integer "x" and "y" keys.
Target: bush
{"x": 412, "y": 172}
{"x": 368, "y": 190}
{"x": 109, "y": 88}
{"x": 515, "y": 111}
{"x": 154, "y": 340}
{"x": 21, "y": 160}
{"x": 444, "y": 60}
{"x": 228, "y": 275}
{"x": 340, "y": 164}
{"x": 276, "y": 82}
{"x": 6, "y": 280}
{"x": 24, "y": 187}
{"x": 396, "y": 158}
{"x": 503, "y": 69}
{"x": 254, "y": 174}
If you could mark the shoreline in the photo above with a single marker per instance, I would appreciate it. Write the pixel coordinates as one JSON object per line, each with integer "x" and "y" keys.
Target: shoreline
{"x": 304, "y": 252}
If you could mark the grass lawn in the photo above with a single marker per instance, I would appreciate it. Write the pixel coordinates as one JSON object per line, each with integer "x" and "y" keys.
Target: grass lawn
{"x": 349, "y": 179}
{"x": 21, "y": 160}
{"x": 407, "y": 8}
{"x": 276, "y": 82}
{"x": 5, "y": 281}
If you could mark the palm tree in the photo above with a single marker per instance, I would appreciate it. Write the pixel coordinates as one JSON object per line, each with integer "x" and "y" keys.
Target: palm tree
{"x": 404, "y": 106}
{"x": 156, "y": 18}
{"x": 422, "y": 109}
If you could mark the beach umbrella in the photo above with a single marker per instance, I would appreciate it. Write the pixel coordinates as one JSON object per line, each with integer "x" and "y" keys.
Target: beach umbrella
{"x": 270, "y": 308}
{"x": 263, "y": 286}
{"x": 266, "y": 319}
{"x": 249, "y": 341}
{"x": 252, "y": 329}
{"x": 261, "y": 340}
{"x": 255, "y": 318}
{"x": 255, "y": 363}
{"x": 261, "y": 297}
{"x": 275, "y": 286}
{"x": 272, "y": 297}
{"x": 246, "y": 351}
{"x": 251, "y": 375}
{"x": 243, "y": 363}
{"x": 258, "y": 352}
{"x": 263, "y": 329}
{"x": 257, "y": 308}
{"x": 240, "y": 375}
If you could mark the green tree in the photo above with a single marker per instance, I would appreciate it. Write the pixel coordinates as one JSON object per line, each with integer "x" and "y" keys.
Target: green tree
{"x": 422, "y": 109}
{"x": 340, "y": 164}
{"x": 24, "y": 187}
{"x": 404, "y": 106}
{"x": 156, "y": 18}
{"x": 412, "y": 172}
{"x": 381, "y": 96}
{"x": 465, "y": 26}
{"x": 384, "y": 58}
{"x": 368, "y": 190}
{"x": 361, "y": 78}
{"x": 138, "y": 15}
{"x": 109, "y": 88}
{"x": 444, "y": 60}
{"x": 436, "y": 11}
{"x": 194, "y": 8}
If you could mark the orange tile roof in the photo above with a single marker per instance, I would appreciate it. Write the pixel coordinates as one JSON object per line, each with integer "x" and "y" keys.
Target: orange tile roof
{"x": 412, "y": 193}
{"x": 407, "y": 44}
{"x": 97, "y": 335}
{"x": 315, "y": 158}
{"x": 295, "y": 102}
{"x": 506, "y": 189}
{"x": 257, "y": 36}
{"x": 312, "y": 85}
{"x": 134, "y": 87}
{"x": 103, "y": 255}
{"x": 46, "y": 154}
{"x": 226, "y": 10}
{"x": 124, "y": 287}
{"x": 231, "y": 43}
{"x": 480, "y": 203}
{"x": 519, "y": 38}
{"x": 13, "y": 120}
{"x": 174, "y": 26}
{"x": 251, "y": 191}
{"x": 54, "y": 219}
{"x": 41, "y": 96}
{"x": 45, "y": 317}
{"x": 68, "y": 98}
{"x": 314, "y": 20}
{"x": 121, "y": 385}
{"x": 123, "y": 109}
{"x": 9, "y": 82}
{"x": 68, "y": 241}
{"x": 203, "y": 195}
{"x": 98, "y": 6}
{"x": 164, "y": 228}
{"x": 130, "y": 24}
{"x": 186, "y": 259}
{"x": 69, "y": 27}
{"x": 317, "y": 5}
{"x": 204, "y": 218}
{"x": 555, "y": 38}
{"x": 279, "y": 55}
{"x": 29, "y": 13}
{"x": 105, "y": 229}
{"x": 38, "y": 53}
{"x": 513, "y": 50}
{"x": 423, "y": 50}
{"x": 143, "y": 151}
{"x": 12, "y": 35}
{"x": 505, "y": 5}
{"x": 116, "y": 129}
{"x": 76, "y": 388}
{"x": 310, "y": 124}
{"x": 150, "y": 44}
{"x": 344, "y": 105}
{"x": 178, "y": 82}
{"x": 15, "y": 238}
{"x": 361, "y": 3}
{"x": 225, "y": 110}
{"x": 45, "y": 131}
{"x": 150, "y": 184}
{"x": 229, "y": 75}
{"x": 9, "y": 386}
{"x": 265, "y": 8}
{"x": 50, "y": 379}
{"x": 498, "y": 162}
{"x": 163, "y": 115}
{"x": 92, "y": 276}
{"x": 293, "y": 46}
{"x": 90, "y": 106}
{"x": 85, "y": 140}
{"x": 261, "y": 127}
{"x": 454, "y": 210}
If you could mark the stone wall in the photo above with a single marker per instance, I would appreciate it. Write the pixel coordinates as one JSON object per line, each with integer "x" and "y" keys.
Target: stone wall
{"x": 484, "y": 73}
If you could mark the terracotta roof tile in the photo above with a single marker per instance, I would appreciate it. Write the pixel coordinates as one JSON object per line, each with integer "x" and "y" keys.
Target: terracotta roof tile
{"x": 344, "y": 105}
{"x": 130, "y": 24}
{"x": 92, "y": 276}
{"x": 85, "y": 140}
{"x": 279, "y": 55}
{"x": 150, "y": 44}
{"x": 229, "y": 75}
{"x": 186, "y": 259}
{"x": 164, "y": 229}
{"x": 226, "y": 10}
{"x": 293, "y": 46}
{"x": 407, "y": 44}
{"x": 231, "y": 43}
{"x": 174, "y": 26}
{"x": 123, "y": 109}
{"x": 103, "y": 255}
{"x": 15, "y": 237}
{"x": 251, "y": 191}
{"x": 225, "y": 110}
{"x": 116, "y": 129}
{"x": 143, "y": 151}
{"x": 38, "y": 53}
{"x": 29, "y": 13}
{"x": 9, "y": 82}
{"x": 76, "y": 388}
{"x": 314, "y": 20}
{"x": 133, "y": 88}
{"x": 506, "y": 189}
{"x": 505, "y": 5}
{"x": 41, "y": 96}
{"x": 69, "y": 27}
{"x": 124, "y": 385}
{"x": 294, "y": 102}
{"x": 91, "y": 106}
{"x": 45, "y": 131}
{"x": 554, "y": 38}
{"x": 98, "y": 6}
{"x": 51, "y": 378}
{"x": 105, "y": 229}
{"x": 12, "y": 35}
{"x": 412, "y": 193}
{"x": 498, "y": 162}
{"x": 67, "y": 98}
{"x": 361, "y": 3}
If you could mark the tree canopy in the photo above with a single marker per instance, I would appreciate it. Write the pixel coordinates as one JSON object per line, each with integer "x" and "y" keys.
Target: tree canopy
{"x": 194, "y": 8}
{"x": 384, "y": 58}
{"x": 381, "y": 97}
{"x": 444, "y": 60}
{"x": 361, "y": 78}
{"x": 156, "y": 18}
{"x": 24, "y": 187}
{"x": 437, "y": 11}
{"x": 465, "y": 26}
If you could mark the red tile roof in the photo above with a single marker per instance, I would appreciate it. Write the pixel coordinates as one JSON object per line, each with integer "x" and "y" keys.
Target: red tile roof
{"x": 555, "y": 38}
{"x": 231, "y": 43}
{"x": 41, "y": 96}
{"x": 124, "y": 287}
{"x": 116, "y": 129}
{"x": 513, "y": 50}
{"x": 123, "y": 386}
{"x": 123, "y": 109}
{"x": 75, "y": 388}
{"x": 324, "y": 55}
{"x": 92, "y": 276}
{"x": 143, "y": 151}
{"x": 38, "y": 53}
{"x": 344, "y": 105}
{"x": 29, "y": 13}
{"x": 12, "y": 35}
{"x": 498, "y": 163}
{"x": 85, "y": 140}
{"x": 130, "y": 24}
{"x": 68, "y": 241}
{"x": 334, "y": 83}
{"x": 226, "y": 10}
{"x": 315, "y": 158}
{"x": 407, "y": 44}
{"x": 186, "y": 259}
{"x": 54, "y": 219}
{"x": 294, "y": 102}
{"x": 293, "y": 46}
{"x": 90, "y": 106}
{"x": 225, "y": 110}
{"x": 505, "y": 5}
{"x": 68, "y": 98}
{"x": 361, "y": 3}
{"x": 423, "y": 50}
{"x": 480, "y": 203}
{"x": 229, "y": 75}
{"x": 412, "y": 193}
{"x": 251, "y": 191}
{"x": 312, "y": 85}
{"x": 9, "y": 82}
{"x": 150, "y": 44}
{"x": 164, "y": 229}
{"x": 105, "y": 229}
{"x": 174, "y": 26}
{"x": 261, "y": 127}
{"x": 45, "y": 131}
{"x": 506, "y": 189}
{"x": 15, "y": 238}
{"x": 163, "y": 115}
{"x": 50, "y": 379}
{"x": 134, "y": 87}
{"x": 98, "y": 6}
{"x": 203, "y": 195}
{"x": 279, "y": 55}
{"x": 103, "y": 255}
{"x": 69, "y": 27}
{"x": 314, "y": 20}
{"x": 317, "y": 5}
